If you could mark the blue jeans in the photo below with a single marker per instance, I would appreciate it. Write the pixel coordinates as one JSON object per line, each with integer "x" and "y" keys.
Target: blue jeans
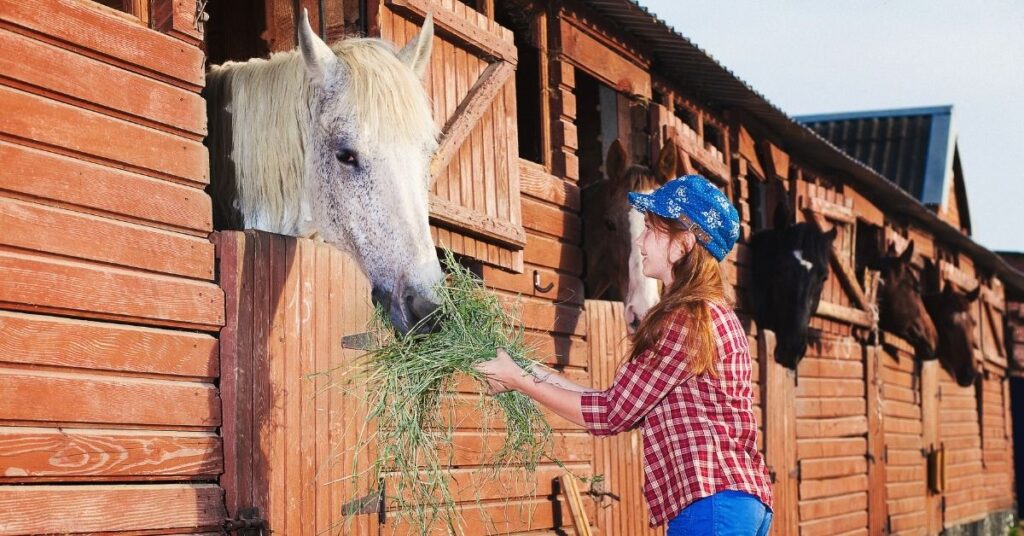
{"x": 726, "y": 513}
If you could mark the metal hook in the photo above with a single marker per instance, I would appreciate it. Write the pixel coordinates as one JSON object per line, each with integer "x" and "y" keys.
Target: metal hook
{"x": 536, "y": 283}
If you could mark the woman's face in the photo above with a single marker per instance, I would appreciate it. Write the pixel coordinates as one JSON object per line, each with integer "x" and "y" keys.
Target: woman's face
{"x": 660, "y": 252}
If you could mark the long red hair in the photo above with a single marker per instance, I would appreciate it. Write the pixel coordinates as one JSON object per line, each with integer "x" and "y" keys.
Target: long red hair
{"x": 697, "y": 281}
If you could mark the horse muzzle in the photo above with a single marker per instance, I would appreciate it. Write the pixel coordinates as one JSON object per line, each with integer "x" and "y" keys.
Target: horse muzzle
{"x": 408, "y": 309}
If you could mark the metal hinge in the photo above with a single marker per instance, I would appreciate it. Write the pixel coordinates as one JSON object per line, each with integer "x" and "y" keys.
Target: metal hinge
{"x": 357, "y": 341}
{"x": 248, "y": 523}
{"x": 371, "y": 503}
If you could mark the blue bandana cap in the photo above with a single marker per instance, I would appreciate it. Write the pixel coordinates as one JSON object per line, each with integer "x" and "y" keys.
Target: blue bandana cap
{"x": 701, "y": 206}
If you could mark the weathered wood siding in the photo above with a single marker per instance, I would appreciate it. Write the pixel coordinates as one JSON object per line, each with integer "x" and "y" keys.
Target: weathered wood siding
{"x": 108, "y": 308}
{"x": 619, "y": 458}
{"x": 292, "y": 417}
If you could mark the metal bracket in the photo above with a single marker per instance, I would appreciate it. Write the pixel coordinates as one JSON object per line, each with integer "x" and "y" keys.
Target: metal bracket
{"x": 357, "y": 341}
{"x": 248, "y": 523}
{"x": 598, "y": 492}
{"x": 370, "y": 503}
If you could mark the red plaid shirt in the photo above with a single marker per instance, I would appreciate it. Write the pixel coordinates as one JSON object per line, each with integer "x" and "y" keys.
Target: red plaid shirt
{"x": 699, "y": 432}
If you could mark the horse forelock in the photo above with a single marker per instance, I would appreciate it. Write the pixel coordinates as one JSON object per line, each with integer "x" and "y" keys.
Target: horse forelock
{"x": 384, "y": 98}
{"x": 388, "y": 99}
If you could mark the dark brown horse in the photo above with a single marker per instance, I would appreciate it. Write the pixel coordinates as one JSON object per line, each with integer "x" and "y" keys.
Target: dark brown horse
{"x": 614, "y": 266}
{"x": 950, "y": 310}
{"x": 901, "y": 310}
{"x": 789, "y": 269}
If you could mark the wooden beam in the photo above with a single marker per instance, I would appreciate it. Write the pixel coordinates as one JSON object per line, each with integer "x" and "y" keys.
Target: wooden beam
{"x": 471, "y": 222}
{"x": 776, "y": 160}
{"x": 469, "y": 112}
{"x": 579, "y": 513}
{"x": 830, "y": 210}
{"x": 997, "y": 329}
{"x": 594, "y": 57}
{"x": 843, "y": 313}
{"x": 747, "y": 148}
{"x": 535, "y": 181}
{"x": 958, "y": 277}
{"x": 459, "y": 30}
{"x": 842, "y": 269}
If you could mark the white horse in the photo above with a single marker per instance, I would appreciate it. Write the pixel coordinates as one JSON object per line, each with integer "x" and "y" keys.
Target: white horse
{"x": 333, "y": 142}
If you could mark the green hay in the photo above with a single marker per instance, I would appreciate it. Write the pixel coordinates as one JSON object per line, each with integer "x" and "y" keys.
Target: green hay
{"x": 410, "y": 380}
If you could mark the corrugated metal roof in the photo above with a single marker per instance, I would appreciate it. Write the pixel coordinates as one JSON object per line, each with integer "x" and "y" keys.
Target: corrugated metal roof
{"x": 912, "y": 147}
{"x": 680, "y": 60}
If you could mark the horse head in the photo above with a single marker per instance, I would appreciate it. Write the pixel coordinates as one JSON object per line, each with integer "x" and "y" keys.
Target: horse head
{"x": 614, "y": 262}
{"x": 950, "y": 310}
{"x": 335, "y": 142}
{"x": 368, "y": 164}
{"x": 901, "y": 310}
{"x": 790, "y": 264}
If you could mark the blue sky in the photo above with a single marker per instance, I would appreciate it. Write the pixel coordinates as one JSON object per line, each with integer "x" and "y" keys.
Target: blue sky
{"x": 814, "y": 57}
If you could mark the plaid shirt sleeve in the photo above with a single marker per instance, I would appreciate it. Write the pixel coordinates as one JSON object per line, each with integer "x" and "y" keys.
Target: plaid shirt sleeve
{"x": 640, "y": 384}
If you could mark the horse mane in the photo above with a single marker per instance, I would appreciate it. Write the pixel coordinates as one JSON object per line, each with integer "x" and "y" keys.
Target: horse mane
{"x": 260, "y": 119}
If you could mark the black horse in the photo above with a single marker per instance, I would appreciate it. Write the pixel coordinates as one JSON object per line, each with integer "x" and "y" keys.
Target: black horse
{"x": 790, "y": 266}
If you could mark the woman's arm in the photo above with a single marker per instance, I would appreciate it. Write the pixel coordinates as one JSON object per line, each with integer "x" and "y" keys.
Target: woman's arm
{"x": 542, "y": 374}
{"x": 552, "y": 390}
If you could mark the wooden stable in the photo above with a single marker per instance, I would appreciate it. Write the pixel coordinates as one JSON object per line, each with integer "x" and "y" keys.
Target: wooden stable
{"x": 159, "y": 377}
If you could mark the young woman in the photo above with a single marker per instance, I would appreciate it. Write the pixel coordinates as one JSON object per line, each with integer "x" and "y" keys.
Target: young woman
{"x": 687, "y": 381}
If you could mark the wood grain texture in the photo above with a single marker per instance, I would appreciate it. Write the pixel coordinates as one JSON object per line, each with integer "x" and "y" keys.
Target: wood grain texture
{"x": 32, "y": 455}
{"x": 104, "y": 191}
{"x": 40, "y": 340}
{"x": 70, "y": 129}
{"x": 33, "y": 283}
{"x": 104, "y": 508}
{"x": 34, "y": 227}
{"x": 78, "y": 79}
{"x": 54, "y": 397}
{"x": 105, "y": 35}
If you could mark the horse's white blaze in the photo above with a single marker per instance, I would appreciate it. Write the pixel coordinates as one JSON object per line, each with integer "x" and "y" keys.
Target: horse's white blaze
{"x": 642, "y": 293}
{"x": 798, "y": 254}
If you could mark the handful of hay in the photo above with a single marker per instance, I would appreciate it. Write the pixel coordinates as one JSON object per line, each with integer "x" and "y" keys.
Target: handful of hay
{"x": 411, "y": 390}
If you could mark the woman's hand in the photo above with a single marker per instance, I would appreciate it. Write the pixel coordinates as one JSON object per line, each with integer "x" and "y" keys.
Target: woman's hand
{"x": 502, "y": 373}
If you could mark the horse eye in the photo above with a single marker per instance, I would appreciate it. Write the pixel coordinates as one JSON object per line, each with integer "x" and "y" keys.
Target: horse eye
{"x": 609, "y": 224}
{"x": 347, "y": 157}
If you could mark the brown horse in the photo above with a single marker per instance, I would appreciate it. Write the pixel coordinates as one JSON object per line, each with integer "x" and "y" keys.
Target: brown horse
{"x": 901, "y": 310}
{"x": 950, "y": 310}
{"x": 614, "y": 269}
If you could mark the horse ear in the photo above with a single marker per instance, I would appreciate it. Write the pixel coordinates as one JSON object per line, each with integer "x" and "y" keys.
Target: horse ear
{"x": 416, "y": 53}
{"x": 973, "y": 295}
{"x": 908, "y": 254}
{"x": 319, "y": 58}
{"x": 830, "y": 236}
{"x": 667, "y": 161}
{"x": 615, "y": 161}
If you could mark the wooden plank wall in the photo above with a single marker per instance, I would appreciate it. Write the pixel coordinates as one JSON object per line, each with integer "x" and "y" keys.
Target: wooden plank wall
{"x": 481, "y": 181}
{"x": 832, "y": 422}
{"x": 619, "y": 458}
{"x": 291, "y": 418}
{"x": 906, "y": 468}
{"x": 103, "y": 255}
{"x": 966, "y": 498}
{"x": 292, "y": 421}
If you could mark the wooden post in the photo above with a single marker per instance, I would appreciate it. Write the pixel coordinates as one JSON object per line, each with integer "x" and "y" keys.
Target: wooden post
{"x": 778, "y": 386}
{"x": 290, "y": 420}
{"x": 877, "y": 505}
{"x": 930, "y": 437}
